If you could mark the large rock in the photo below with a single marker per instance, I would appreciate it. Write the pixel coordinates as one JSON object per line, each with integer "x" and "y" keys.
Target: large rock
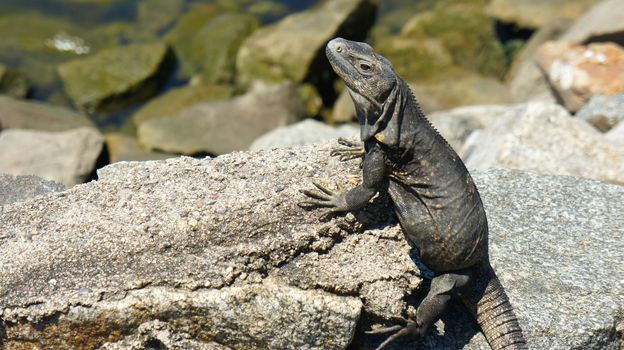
{"x": 224, "y": 126}
{"x": 15, "y": 113}
{"x": 535, "y": 13}
{"x": 604, "y": 22}
{"x": 12, "y": 82}
{"x": 603, "y": 112}
{"x": 578, "y": 72}
{"x": 544, "y": 138}
{"x": 457, "y": 124}
{"x": 121, "y": 147}
{"x": 118, "y": 77}
{"x": 176, "y": 100}
{"x": 306, "y": 132}
{"x": 216, "y": 253}
{"x": 294, "y": 48}
{"x": 68, "y": 157}
{"x": 20, "y": 188}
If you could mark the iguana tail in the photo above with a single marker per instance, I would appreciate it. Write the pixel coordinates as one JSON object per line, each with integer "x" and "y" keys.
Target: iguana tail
{"x": 490, "y": 306}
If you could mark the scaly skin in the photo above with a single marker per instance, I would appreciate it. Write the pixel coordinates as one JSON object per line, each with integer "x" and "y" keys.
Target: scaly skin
{"x": 434, "y": 196}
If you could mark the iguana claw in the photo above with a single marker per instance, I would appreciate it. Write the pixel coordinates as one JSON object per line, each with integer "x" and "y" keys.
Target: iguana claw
{"x": 324, "y": 198}
{"x": 350, "y": 150}
{"x": 410, "y": 329}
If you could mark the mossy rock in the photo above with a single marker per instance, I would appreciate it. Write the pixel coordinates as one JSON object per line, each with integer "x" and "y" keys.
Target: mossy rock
{"x": 12, "y": 82}
{"x": 461, "y": 31}
{"x": 118, "y": 77}
{"x": 175, "y": 100}
{"x": 215, "y": 45}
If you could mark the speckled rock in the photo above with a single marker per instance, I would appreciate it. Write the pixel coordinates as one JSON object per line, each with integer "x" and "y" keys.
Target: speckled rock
{"x": 293, "y": 48}
{"x": 12, "y": 82}
{"x": 604, "y": 22}
{"x": 216, "y": 252}
{"x": 578, "y": 72}
{"x": 20, "y": 188}
{"x": 603, "y": 112}
{"x": 544, "y": 138}
{"x": 68, "y": 157}
{"x": 20, "y": 114}
{"x": 117, "y": 77}
{"x": 303, "y": 133}
{"x": 223, "y": 126}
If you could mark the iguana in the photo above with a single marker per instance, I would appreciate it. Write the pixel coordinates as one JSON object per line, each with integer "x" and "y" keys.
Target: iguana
{"x": 434, "y": 197}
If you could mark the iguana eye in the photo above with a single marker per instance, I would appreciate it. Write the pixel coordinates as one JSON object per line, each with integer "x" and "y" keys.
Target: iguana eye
{"x": 365, "y": 67}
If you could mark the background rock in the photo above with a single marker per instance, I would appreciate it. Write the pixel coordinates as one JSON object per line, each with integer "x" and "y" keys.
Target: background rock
{"x": 603, "y": 112}
{"x": 121, "y": 147}
{"x": 68, "y": 157}
{"x": 535, "y": 14}
{"x": 20, "y": 188}
{"x": 294, "y": 48}
{"x": 457, "y": 124}
{"x": 616, "y": 135}
{"x": 118, "y": 77}
{"x": 302, "y": 133}
{"x": 604, "y": 22}
{"x": 223, "y": 126}
{"x": 15, "y": 113}
{"x": 578, "y": 72}
{"x": 544, "y": 138}
{"x": 181, "y": 240}
{"x": 12, "y": 82}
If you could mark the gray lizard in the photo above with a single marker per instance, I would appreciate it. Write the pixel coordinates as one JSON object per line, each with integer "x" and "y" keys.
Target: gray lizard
{"x": 434, "y": 197}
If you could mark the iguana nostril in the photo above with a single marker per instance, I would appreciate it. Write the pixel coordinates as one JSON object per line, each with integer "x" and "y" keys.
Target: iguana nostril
{"x": 338, "y": 48}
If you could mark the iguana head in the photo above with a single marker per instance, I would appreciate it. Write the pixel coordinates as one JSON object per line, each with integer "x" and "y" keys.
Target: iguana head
{"x": 373, "y": 85}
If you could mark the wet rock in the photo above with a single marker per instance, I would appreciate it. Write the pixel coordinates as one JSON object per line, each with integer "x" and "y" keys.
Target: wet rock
{"x": 603, "y": 112}
{"x": 526, "y": 80}
{"x": 578, "y": 72}
{"x": 224, "y": 126}
{"x": 12, "y": 82}
{"x": 175, "y": 100}
{"x": 535, "y": 14}
{"x": 20, "y": 114}
{"x": 68, "y": 157}
{"x": 209, "y": 251}
{"x": 21, "y": 188}
{"x": 305, "y": 132}
{"x": 457, "y": 124}
{"x": 293, "y": 48}
{"x": 125, "y": 148}
{"x": 118, "y": 77}
{"x": 216, "y": 44}
{"x": 604, "y": 22}
{"x": 544, "y": 138}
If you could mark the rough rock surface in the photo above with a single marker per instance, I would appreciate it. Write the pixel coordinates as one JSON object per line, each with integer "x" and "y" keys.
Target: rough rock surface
{"x": 293, "y": 47}
{"x": 603, "y": 112}
{"x": 457, "y": 124}
{"x": 20, "y": 188}
{"x": 12, "y": 82}
{"x": 616, "y": 135}
{"x": 117, "y": 77}
{"x": 536, "y": 13}
{"x": 216, "y": 253}
{"x": 544, "y": 138}
{"x": 68, "y": 157}
{"x": 223, "y": 126}
{"x": 303, "y": 133}
{"x": 19, "y": 114}
{"x": 604, "y": 22}
{"x": 578, "y": 72}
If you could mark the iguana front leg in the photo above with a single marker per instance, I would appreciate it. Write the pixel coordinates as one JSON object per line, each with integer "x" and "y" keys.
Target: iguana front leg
{"x": 373, "y": 178}
{"x": 349, "y": 150}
